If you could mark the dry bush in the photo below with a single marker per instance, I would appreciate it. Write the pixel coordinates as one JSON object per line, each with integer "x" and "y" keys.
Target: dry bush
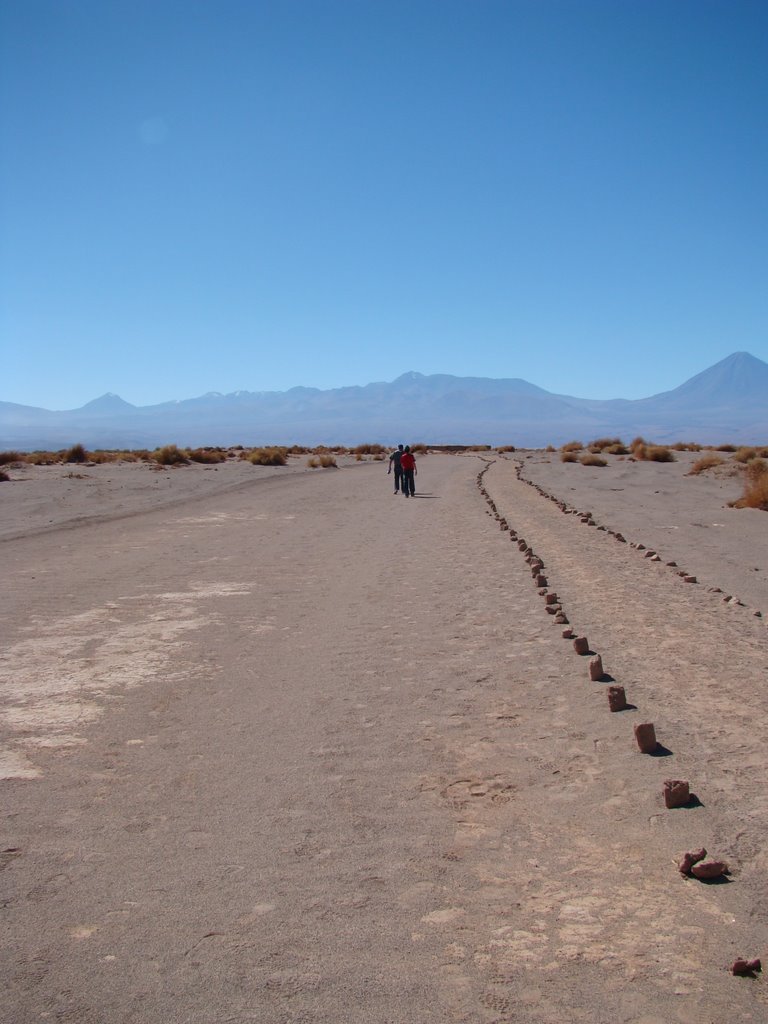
{"x": 44, "y": 458}
{"x": 637, "y": 442}
{"x": 359, "y": 457}
{"x": 478, "y": 448}
{"x": 297, "y": 449}
{"x": 368, "y": 449}
{"x": 745, "y": 454}
{"x": 616, "y": 449}
{"x": 170, "y": 455}
{"x": 590, "y": 459}
{"x": 644, "y": 452}
{"x": 507, "y": 448}
{"x": 686, "y": 446}
{"x": 572, "y": 446}
{"x": 755, "y": 486}
{"x": 328, "y": 461}
{"x": 268, "y": 457}
{"x": 726, "y": 448}
{"x": 209, "y": 456}
{"x": 601, "y": 443}
{"x": 100, "y": 457}
{"x": 379, "y": 458}
{"x": 705, "y": 462}
{"x": 568, "y": 457}
{"x": 313, "y": 461}
{"x": 76, "y": 453}
{"x": 6, "y": 458}
{"x": 419, "y": 449}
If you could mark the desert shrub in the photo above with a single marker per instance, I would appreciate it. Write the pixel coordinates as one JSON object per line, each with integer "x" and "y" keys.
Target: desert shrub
{"x": 686, "y": 446}
{"x": 44, "y": 458}
{"x": 507, "y": 448}
{"x": 755, "y": 486}
{"x": 745, "y": 454}
{"x": 637, "y": 442}
{"x": 590, "y": 459}
{"x": 705, "y": 462}
{"x": 657, "y": 453}
{"x": 419, "y": 449}
{"x": 268, "y": 457}
{"x": 170, "y": 455}
{"x": 297, "y": 449}
{"x": 645, "y": 452}
{"x": 568, "y": 457}
{"x": 572, "y": 446}
{"x": 209, "y": 456}
{"x": 478, "y": 448}
{"x": 379, "y": 458}
{"x": 313, "y": 461}
{"x": 616, "y": 449}
{"x": 76, "y": 453}
{"x": 328, "y": 461}
{"x": 367, "y": 449}
{"x": 6, "y": 458}
{"x": 601, "y": 443}
{"x": 726, "y": 448}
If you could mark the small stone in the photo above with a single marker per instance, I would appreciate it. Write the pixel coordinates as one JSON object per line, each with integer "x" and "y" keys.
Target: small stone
{"x": 689, "y": 859}
{"x": 746, "y": 966}
{"x": 552, "y": 597}
{"x": 567, "y": 634}
{"x": 649, "y": 554}
{"x": 617, "y": 698}
{"x": 676, "y": 793}
{"x": 690, "y": 579}
{"x": 581, "y": 645}
{"x": 645, "y": 734}
{"x": 709, "y": 869}
{"x": 541, "y": 581}
{"x": 672, "y": 565}
{"x": 656, "y": 558}
{"x": 596, "y": 669}
{"x": 561, "y": 619}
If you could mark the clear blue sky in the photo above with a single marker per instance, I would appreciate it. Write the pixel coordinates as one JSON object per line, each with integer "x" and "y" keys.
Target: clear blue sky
{"x": 241, "y": 194}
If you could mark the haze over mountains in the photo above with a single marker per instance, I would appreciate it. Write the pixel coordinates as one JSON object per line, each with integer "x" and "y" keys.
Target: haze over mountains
{"x": 727, "y": 402}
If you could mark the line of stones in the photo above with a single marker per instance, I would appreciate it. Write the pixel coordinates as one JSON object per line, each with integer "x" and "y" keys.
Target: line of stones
{"x": 676, "y": 792}
{"x": 651, "y": 555}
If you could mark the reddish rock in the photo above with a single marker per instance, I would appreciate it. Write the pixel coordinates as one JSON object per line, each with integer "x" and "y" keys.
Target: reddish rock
{"x": 746, "y": 966}
{"x": 596, "y": 668}
{"x": 562, "y": 619}
{"x": 689, "y": 859}
{"x": 541, "y": 581}
{"x": 581, "y": 645}
{"x": 645, "y": 734}
{"x": 617, "y": 699}
{"x": 676, "y": 793}
{"x": 690, "y": 579}
{"x": 709, "y": 869}
{"x": 567, "y": 634}
{"x": 552, "y": 598}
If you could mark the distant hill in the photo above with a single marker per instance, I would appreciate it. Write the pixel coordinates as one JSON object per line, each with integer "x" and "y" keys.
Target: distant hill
{"x": 726, "y": 402}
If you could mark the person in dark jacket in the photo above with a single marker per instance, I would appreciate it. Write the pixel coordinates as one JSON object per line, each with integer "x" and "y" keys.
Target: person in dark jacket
{"x": 394, "y": 461}
{"x": 408, "y": 467}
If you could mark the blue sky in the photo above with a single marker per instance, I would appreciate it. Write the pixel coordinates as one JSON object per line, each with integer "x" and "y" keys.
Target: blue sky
{"x": 254, "y": 195}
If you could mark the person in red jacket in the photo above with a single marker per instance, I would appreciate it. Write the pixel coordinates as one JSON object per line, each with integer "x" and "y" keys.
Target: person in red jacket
{"x": 408, "y": 467}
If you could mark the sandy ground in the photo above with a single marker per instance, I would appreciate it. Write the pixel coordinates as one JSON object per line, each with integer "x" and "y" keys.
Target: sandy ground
{"x": 279, "y": 746}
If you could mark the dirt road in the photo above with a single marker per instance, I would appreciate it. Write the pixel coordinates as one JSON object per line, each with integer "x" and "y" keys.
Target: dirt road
{"x": 309, "y": 752}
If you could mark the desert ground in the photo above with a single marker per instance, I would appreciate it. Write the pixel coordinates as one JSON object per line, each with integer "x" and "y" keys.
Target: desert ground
{"x": 279, "y": 746}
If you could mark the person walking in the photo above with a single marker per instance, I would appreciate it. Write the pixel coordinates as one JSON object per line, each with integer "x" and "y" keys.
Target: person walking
{"x": 408, "y": 467}
{"x": 394, "y": 460}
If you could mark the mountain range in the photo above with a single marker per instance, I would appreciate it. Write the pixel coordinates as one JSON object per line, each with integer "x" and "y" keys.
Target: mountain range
{"x": 726, "y": 403}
